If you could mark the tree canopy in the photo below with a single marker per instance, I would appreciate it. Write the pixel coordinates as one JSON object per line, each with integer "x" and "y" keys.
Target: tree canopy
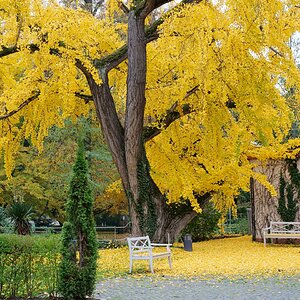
{"x": 198, "y": 82}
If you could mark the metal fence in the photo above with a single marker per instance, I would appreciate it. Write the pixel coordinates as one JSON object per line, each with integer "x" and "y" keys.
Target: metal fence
{"x": 113, "y": 232}
{"x": 103, "y": 232}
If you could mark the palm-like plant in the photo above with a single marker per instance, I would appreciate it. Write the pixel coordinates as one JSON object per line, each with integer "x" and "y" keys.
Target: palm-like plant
{"x": 20, "y": 214}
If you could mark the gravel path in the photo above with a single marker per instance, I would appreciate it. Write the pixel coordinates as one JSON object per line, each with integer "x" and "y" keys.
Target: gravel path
{"x": 161, "y": 288}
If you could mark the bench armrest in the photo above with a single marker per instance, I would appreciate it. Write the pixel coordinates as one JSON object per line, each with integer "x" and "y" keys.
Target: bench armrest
{"x": 266, "y": 229}
{"x": 157, "y": 245}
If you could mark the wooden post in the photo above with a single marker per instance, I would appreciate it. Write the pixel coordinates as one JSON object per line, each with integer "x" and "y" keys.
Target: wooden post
{"x": 253, "y": 227}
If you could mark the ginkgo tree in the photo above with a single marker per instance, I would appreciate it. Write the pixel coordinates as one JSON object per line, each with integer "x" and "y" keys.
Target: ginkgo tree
{"x": 183, "y": 92}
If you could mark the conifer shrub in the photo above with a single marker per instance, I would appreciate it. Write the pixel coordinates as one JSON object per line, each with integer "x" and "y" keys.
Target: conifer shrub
{"x": 77, "y": 272}
{"x": 287, "y": 207}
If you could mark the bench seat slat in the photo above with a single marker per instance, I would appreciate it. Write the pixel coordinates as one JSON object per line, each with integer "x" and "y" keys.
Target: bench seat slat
{"x": 140, "y": 248}
{"x": 280, "y": 235}
{"x": 282, "y": 230}
{"x": 154, "y": 255}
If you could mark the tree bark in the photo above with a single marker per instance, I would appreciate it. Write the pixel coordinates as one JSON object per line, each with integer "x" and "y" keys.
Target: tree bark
{"x": 135, "y": 105}
{"x": 266, "y": 206}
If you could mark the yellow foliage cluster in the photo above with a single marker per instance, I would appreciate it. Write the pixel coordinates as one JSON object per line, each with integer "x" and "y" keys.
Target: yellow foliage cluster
{"x": 231, "y": 258}
{"x": 209, "y": 56}
{"x": 229, "y": 52}
{"x": 49, "y": 40}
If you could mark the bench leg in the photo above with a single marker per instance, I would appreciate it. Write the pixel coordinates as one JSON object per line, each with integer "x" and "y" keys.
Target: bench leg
{"x": 170, "y": 261}
{"x": 151, "y": 265}
{"x": 265, "y": 241}
{"x": 130, "y": 266}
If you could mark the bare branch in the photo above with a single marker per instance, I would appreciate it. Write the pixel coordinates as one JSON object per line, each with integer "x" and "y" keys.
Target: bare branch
{"x": 97, "y": 6}
{"x": 25, "y": 103}
{"x": 276, "y": 52}
{"x": 191, "y": 92}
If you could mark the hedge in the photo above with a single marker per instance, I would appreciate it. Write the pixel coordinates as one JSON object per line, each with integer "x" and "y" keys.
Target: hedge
{"x": 28, "y": 265}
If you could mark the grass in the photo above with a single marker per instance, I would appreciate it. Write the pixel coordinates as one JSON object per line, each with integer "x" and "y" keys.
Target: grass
{"x": 230, "y": 258}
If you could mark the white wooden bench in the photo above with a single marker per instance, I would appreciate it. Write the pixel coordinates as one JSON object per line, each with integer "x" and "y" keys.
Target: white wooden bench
{"x": 140, "y": 248}
{"x": 282, "y": 230}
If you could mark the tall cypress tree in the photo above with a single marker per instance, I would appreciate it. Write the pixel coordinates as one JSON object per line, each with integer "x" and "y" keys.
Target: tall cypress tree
{"x": 286, "y": 209}
{"x": 77, "y": 274}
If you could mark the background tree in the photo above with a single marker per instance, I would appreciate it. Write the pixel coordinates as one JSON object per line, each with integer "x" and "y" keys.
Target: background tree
{"x": 180, "y": 101}
{"x": 39, "y": 176}
{"x": 77, "y": 274}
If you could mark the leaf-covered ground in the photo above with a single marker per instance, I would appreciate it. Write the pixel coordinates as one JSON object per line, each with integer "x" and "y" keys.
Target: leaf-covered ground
{"x": 231, "y": 258}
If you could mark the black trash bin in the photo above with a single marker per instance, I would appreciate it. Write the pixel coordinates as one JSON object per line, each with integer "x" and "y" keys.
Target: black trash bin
{"x": 187, "y": 242}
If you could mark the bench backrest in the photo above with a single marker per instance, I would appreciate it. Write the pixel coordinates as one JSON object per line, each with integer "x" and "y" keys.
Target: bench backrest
{"x": 139, "y": 244}
{"x": 285, "y": 227}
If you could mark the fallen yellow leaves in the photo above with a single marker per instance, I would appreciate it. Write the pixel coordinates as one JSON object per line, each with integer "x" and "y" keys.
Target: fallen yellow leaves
{"x": 231, "y": 257}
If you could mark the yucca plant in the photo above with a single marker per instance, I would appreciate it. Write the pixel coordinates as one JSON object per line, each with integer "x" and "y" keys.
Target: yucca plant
{"x": 20, "y": 214}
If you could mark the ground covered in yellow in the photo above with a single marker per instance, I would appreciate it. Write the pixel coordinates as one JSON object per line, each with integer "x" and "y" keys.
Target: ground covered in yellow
{"x": 230, "y": 258}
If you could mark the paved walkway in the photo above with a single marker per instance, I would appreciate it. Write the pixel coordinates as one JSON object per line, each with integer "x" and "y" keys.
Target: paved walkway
{"x": 161, "y": 288}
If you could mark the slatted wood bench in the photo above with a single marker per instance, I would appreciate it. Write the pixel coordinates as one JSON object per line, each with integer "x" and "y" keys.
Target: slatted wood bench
{"x": 140, "y": 248}
{"x": 282, "y": 230}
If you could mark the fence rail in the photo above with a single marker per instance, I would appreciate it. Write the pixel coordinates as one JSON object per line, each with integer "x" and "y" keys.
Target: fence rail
{"x": 103, "y": 232}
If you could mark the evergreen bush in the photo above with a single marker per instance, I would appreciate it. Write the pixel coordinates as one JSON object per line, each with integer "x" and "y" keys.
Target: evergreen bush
{"x": 287, "y": 208}
{"x": 77, "y": 273}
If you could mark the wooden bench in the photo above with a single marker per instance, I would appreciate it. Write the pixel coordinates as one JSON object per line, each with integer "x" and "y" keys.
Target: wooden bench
{"x": 140, "y": 248}
{"x": 282, "y": 230}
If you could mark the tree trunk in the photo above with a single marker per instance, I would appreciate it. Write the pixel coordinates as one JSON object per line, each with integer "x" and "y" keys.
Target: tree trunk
{"x": 134, "y": 119}
{"x": 154, "y": 217}
{"x": 148, "y": 210}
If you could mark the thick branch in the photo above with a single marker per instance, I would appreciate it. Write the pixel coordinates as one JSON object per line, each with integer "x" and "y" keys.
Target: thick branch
{"x": 110, "y": 123}
{"x": 112, "y": 60}
{"x": 172, "y": 115}
{"x": 25, "y": 103}
{"x": 150, "y": 5}
{"x": 151, "y": 132}
{"x": 86, "y": 98}
{"x": 124, "y": 8}
{"x": 8, "y": 50}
